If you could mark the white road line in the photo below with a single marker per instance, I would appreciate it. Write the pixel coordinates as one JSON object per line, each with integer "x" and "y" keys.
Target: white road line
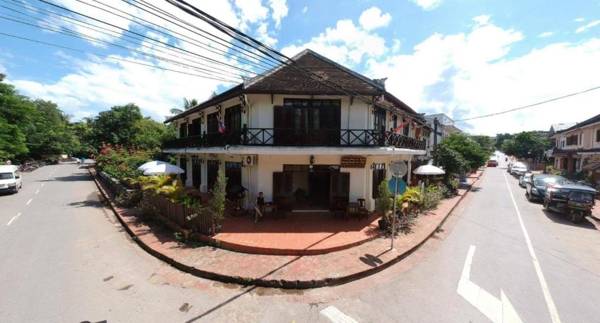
{"x": 14, "y": 218}
{"x": 28, "y": 202}
{"x": 37, "y": 191}
{"x": 336, "y": 316}
{"x": 43, "y": 184}
{"x": 536, "y": 264}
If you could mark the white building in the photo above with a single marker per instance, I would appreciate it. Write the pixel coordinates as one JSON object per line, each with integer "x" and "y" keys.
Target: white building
{"x": 304, "y": 143}
{"x": 441, "y": 126}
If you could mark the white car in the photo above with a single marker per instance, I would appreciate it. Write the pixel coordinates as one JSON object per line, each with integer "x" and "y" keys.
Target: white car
{"x": 518, "y": 169}
{"x": 10, "y": 179}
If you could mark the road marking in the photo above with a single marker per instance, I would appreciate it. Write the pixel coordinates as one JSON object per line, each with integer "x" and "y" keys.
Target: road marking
{"x": 336, "y": 316}
{"x": 497, "y": 310}
{"x": 28, "y": 202}
{"x": 37, "y": 191}
{"x": 43, "y": 184}
{"x": 536, "y": 264}
{"x": 14, "y": 218}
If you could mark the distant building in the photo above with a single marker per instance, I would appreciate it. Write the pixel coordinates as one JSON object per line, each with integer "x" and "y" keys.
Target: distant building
{"x": 441, "y": 126}
{"x": 577, "y": 148}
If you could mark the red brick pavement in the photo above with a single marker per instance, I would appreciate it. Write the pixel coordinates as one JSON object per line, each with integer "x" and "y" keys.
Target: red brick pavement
{"x": 285, "y": 271}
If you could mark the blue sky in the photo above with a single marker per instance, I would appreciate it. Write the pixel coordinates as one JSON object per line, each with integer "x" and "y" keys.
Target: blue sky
{"x": 463, "y": 58}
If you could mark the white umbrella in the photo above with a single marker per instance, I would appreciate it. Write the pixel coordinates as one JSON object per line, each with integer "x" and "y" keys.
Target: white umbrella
{"x": 149, "y": 164}
{"x": 163, "y": 168}
{"x": 428, "y": 170}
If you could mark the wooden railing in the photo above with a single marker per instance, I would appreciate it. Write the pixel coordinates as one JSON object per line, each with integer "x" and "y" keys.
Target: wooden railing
{"x": 300, "y": 137}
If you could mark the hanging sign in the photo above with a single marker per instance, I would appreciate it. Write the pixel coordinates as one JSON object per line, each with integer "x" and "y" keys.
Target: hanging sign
{"x": 353, "y": 161}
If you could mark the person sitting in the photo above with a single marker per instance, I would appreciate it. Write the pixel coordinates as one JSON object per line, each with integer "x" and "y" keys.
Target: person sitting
{"x": 260, "y": 207}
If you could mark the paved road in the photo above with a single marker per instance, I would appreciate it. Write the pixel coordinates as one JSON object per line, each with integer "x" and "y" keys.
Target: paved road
{"x": 65, "y": 259}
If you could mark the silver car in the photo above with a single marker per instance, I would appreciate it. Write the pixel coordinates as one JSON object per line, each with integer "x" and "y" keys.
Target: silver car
{"x": 524, "y": 179}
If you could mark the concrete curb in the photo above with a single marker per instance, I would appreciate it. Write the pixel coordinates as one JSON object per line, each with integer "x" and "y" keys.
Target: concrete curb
{"x": 285, "y": 284}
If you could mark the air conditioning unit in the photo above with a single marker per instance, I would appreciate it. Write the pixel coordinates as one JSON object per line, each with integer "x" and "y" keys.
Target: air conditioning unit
{"x": 250, "y": 160}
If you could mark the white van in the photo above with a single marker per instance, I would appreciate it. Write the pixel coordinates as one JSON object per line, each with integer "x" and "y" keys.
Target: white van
{"x": 10, "y": 178}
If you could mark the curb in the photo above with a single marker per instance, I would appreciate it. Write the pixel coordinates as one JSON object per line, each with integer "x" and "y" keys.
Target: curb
{"x": 272, "y": 283}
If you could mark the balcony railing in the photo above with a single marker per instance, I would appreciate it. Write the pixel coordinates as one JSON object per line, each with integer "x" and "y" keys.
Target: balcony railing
{"x": 299, "y": 137}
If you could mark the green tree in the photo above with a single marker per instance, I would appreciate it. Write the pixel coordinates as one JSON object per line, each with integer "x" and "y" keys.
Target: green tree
{"x": 12, "y": 141}
{"x": 450, "y": 160}
{"x": 116, "y": 126}
{"x": 150, "y": 134}
{"x": 187, "y": 104}
{"x": 469, "y": 149}
{"x": 487, "y": 143}
{"x": 49, "y": 133}
{"x": 15, "y": 115}
{"x": 500, "y": 138}
{"x": 527, "y": 144}
{"x": 217, "y": 202}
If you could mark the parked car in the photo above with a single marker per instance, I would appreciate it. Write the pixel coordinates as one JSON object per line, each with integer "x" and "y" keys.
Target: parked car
{"x": 524, "y": 179}
{"x": 10, "y": 179}
{"x": 492, "y": 163}
{"x": 518, "y": 169}
{"x": 536, "y": 188}
{"x": 570, "y": 198}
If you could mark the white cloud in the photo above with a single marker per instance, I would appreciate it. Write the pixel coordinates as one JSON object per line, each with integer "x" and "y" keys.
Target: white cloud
{"x": 428, "y": 4}
{"x": 587, "y": 26}
{"x": 345, "y": 43}
{"x": 373, "y": 18}
{"x": 251, "y": 11}
{"x": 99, "y": 84}
{"x": 279, "y": 9}
{"x": 305, "y": 9}
{"x": 546, "y": 34}
{"x": 471, "y": 74}
{"x": 579, "y": 19}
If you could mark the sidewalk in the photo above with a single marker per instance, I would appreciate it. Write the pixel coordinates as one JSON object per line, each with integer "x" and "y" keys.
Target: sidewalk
{"x": 285, "y": 271}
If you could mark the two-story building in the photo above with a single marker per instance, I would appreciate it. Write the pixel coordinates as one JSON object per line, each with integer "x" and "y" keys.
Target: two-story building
{"x": 441, "y": 126}
{"x": 577, "y": 148}
{"x": 302, "y": 142}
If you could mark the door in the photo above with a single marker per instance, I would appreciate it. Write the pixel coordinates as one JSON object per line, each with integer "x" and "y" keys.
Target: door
{"x": 339, "y": 187}
{"x": 183, "y": 165}
{"x": 233, "y": 125}
{"x": 233, "y": 172}
{"x": 212, "y": 170}
{"x": 196, "y": 172}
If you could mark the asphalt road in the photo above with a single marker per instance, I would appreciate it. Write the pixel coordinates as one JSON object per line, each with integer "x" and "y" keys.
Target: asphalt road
{"x": 64, "y": 258}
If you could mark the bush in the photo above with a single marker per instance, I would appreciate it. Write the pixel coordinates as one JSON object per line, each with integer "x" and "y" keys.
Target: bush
{"x": 122, "y": 163}
{"x": 432, "y": 196}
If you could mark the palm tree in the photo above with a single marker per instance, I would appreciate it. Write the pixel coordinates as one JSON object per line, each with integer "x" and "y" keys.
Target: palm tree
{"x": 187, "y": 104}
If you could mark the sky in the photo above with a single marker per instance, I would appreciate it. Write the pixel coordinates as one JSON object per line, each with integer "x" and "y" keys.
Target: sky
{"x": 464, "y": 58}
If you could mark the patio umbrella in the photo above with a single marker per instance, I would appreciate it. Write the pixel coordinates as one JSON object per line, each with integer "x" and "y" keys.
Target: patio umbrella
{"x": 429, "y": 170}
{"x": 149, "y": 164}
{"x": 164, "y": 168}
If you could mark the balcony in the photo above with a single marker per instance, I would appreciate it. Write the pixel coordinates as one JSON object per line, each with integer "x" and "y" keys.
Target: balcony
{"x": 299, "y": 137}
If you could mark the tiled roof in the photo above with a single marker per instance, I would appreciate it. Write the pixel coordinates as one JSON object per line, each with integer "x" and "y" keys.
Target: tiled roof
{"x": 292, "y": 79}
{"x": 584, "y": 123}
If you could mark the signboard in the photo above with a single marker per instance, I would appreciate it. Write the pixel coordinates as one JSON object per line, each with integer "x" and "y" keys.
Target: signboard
{"x": 401, "y": 185}
{"x": 398, "y": 168}
{"x": 352, "y": 161}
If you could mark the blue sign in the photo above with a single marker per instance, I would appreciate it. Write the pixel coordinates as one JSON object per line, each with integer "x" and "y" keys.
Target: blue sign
{"x": 401, "y": 185}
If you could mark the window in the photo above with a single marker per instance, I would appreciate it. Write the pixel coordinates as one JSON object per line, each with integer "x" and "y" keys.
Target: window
{"x": 212, "y": 170}
{"x": 307, "y": 122}
{"x": 212, "y": 123}
{"x": 378, "y": 177}
{"x": 406, "y": 128}
{"x": 572, "y": 140}
{"x": 597, "y": 135}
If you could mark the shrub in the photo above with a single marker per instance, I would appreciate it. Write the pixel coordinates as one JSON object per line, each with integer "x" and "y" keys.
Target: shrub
{"x": 217, "y": 202}
{"x": 432, "y": 196}
{"x": 122, "y": 163}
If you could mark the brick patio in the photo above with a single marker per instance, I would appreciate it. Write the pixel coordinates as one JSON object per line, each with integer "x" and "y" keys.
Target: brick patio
{"x": 296, "y": 234}
{"x": 285, "y": 271}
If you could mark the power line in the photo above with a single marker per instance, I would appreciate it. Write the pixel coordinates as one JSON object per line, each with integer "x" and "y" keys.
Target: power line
{"x": 114, "y": 58}
{"x": 73, "y": 33}
{"x": 146, "y": 37}
{"x": 533, "y": 104}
